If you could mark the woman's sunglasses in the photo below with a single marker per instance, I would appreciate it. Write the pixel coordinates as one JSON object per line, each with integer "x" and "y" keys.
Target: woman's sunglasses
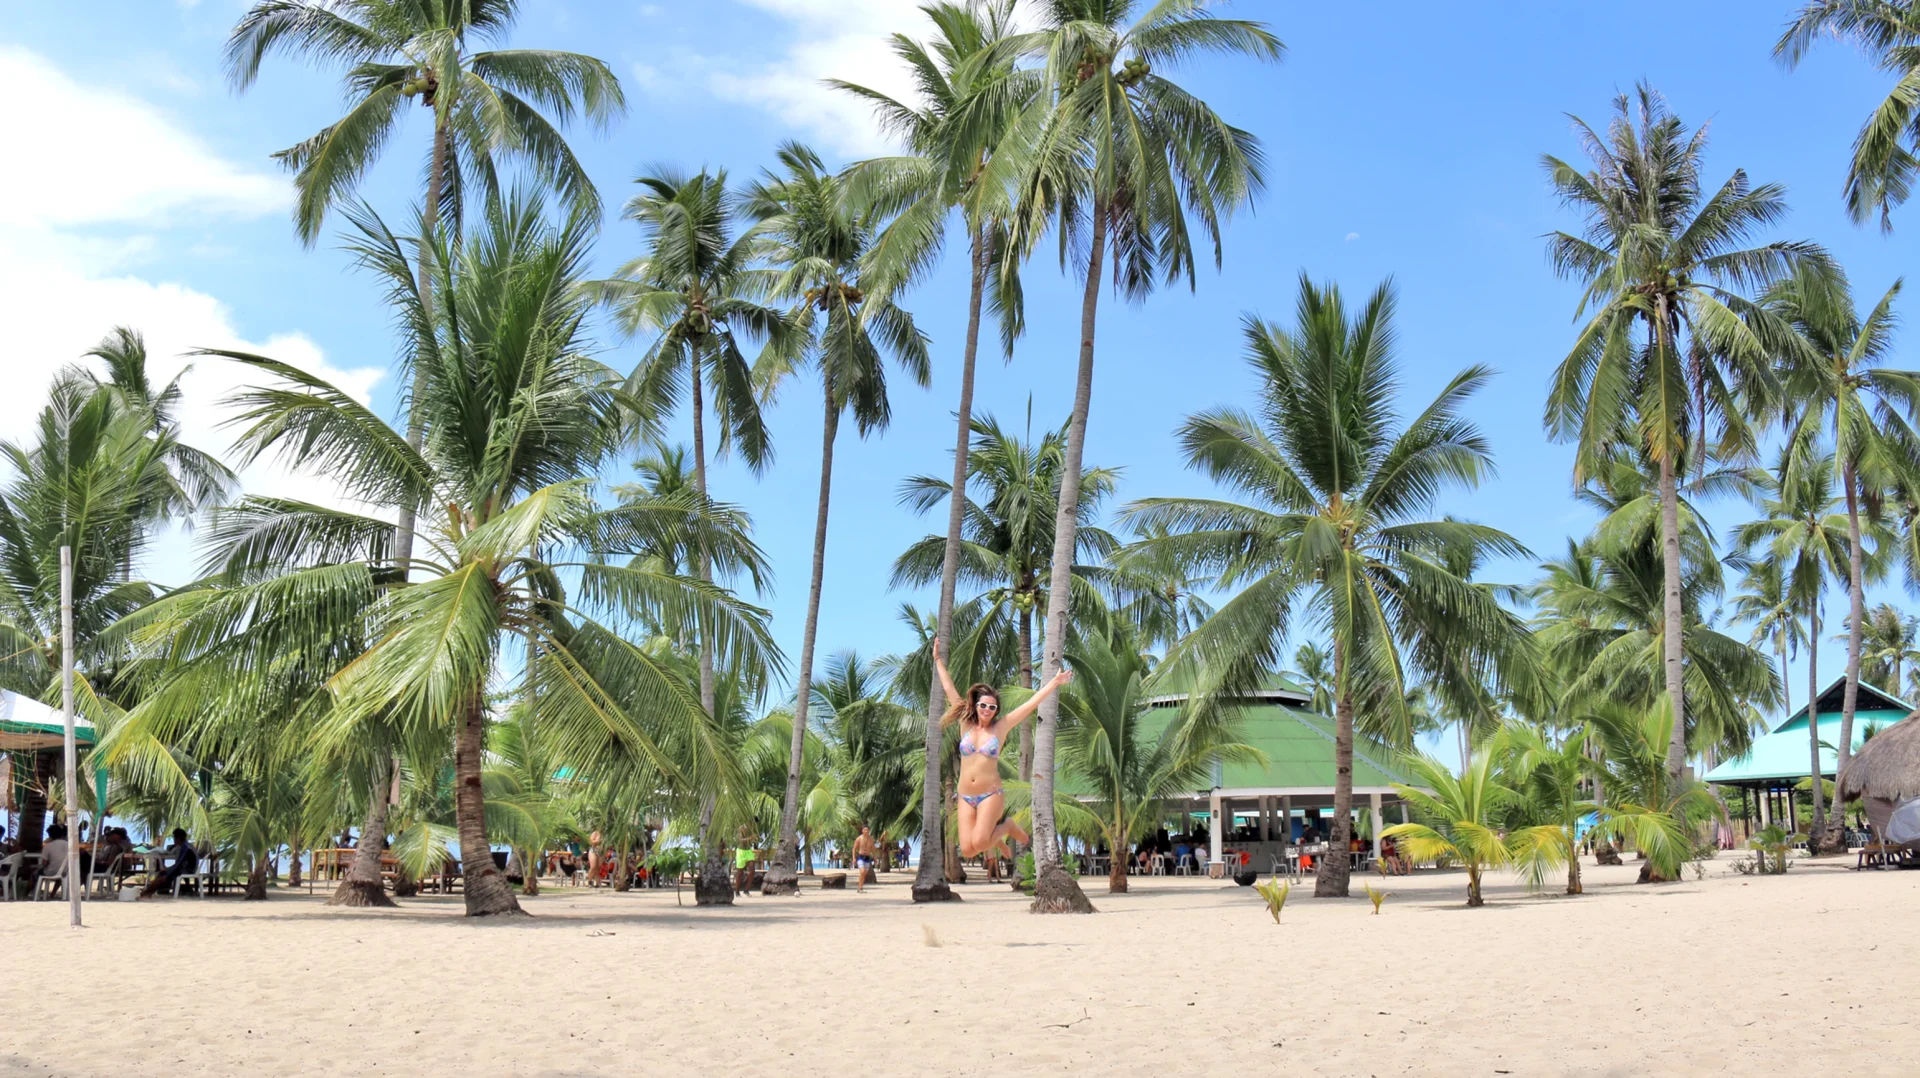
{"x": 988, "y": 707}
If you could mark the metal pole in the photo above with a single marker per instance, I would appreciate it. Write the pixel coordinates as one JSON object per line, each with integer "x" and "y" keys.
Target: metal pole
{"x": 66, "y": 714}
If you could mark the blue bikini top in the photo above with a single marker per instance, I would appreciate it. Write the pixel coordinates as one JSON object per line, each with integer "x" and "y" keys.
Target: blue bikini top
{"x": 991, "y": 747}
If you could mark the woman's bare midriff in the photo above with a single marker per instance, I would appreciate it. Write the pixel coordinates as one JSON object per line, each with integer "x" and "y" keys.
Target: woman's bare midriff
{"x": 979, "y": 774}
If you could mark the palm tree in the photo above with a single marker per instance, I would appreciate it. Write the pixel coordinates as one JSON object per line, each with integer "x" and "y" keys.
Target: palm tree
{"x": 1882, "y": 171}
{"x": 1602, "y": 620}
{"x": 1466, "y": 809}
{"x": 1125, "y": 162}
{"x": 1804, "y": 534}
{"x": 697, "y": 289}
{"x": 960, "y": 157}
{"x": 104, "y": 471}
{"x": 1889, "y": 644}
{"x": 1669, "y": 343}
{"x": 517, "y": 416}
{"x": 1659, "y": 815}
{"x": 1130, "y": 772}
{"x": 1838, "y": 388}
{"x": 1551, "y": 773}
{"x": 871, "y": 757}
{"x": 1313, "y": 668}
{"x": 1161, "y": 601}
{"x": 489, "y": 107}
{"x": 818, "y": 238}
{"x": 1336, "y": 527}
{"x": 1766, "y": 601}
{"x": 1008, "y": 542}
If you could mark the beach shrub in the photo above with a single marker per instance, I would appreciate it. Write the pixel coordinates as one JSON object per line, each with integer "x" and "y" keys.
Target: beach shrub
{"x": 674, "y": 861}
{"x": 1376, "y": 896}
{"x": 1773, "y": 843}
{"x": 1274, "y": 894}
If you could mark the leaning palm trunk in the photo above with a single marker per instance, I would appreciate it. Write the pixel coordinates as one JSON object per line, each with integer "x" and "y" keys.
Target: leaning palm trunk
{"x": 1055, "y": 890}
{"x": 928, "y": 884}
{"x": 1857, "y": 611}
{"x": 361, "y": 885}
{"x": 783, "y": 876}
{"x": 1817, "y": 838}
{"x": 485, "y": 886}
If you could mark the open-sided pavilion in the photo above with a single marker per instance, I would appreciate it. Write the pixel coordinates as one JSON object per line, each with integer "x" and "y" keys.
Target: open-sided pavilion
{"x": 1783, "y": 758}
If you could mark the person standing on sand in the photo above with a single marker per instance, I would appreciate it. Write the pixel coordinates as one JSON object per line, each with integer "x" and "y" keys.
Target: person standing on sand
{"x": 743, "y": 857}
{"x": 863, "y": 850}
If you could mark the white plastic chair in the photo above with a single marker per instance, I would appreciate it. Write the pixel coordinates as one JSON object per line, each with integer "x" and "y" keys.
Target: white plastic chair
{"x": 100, "y": 880}
{"x": 11, "y": 870}
{"x": 201, "y": 877}
{"x": 49, "y": 881}
{"x": 1159, "y": 864}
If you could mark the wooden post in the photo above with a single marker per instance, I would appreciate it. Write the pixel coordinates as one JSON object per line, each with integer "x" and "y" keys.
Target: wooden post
{"x": 72, "y": 756}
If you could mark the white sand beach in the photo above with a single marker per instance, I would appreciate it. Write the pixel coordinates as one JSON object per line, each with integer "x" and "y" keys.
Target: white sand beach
{"x": 1180, "y": 977}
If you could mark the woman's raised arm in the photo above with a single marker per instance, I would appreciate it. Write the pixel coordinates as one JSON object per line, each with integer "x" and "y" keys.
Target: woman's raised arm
{"x": 1020, "y": 714}
{"x": 946, "y": 679}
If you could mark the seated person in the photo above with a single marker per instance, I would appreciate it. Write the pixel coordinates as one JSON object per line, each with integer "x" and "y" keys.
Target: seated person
{"x": 112, "y": 850}
{"x": 185, "y": 860}
{"x": 53, "y": 854}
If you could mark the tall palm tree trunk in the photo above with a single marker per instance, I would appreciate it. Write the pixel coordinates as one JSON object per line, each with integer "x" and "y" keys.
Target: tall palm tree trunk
{"x": 486, "y": 888}
{"x": 712, "y": 884}
{"x": 361, "y": 885}
{"x": 1856, "y": 620}
{"x": 416, "y": 420}
{"x": 1026, "y": 682}
{"x": 1817, "y": 840}
{"x": 1671, "y": 640}
{"x": 782, "y": 876}
{"x": 1054, "y": 890}
{"x": 1117, "y": 863}
{"x": 930, "y": 882}
{"x": 354, "y": 889}
{"x": 1334, "y": 874}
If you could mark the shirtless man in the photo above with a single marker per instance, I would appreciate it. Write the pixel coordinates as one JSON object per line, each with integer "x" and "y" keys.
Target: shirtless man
{"x": 863, "y": 850}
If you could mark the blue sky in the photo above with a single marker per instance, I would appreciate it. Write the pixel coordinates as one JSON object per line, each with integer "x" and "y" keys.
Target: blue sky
{"x": 1403, "y": 141}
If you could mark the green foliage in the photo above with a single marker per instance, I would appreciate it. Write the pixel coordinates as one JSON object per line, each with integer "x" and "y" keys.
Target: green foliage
{"x": 1775, "y": 843}
{"x": 1377, "y": 896}
{"x": 492, "y": 105}
{"x": 1274, "y": 894}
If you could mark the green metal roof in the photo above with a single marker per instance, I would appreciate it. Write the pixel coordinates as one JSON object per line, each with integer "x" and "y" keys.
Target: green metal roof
{"x": 1299, "y": 748}
{"x": 1785, "y": 754}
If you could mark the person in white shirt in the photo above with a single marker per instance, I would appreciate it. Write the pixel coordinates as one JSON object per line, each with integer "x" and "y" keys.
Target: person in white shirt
{"x": 53, "y": 855}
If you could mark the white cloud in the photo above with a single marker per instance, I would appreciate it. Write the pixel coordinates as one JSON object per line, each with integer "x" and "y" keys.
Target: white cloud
{"x": 842, "y": 39}
{"x": 88, "y": 155}
{"x": 112, "y": 165}
{"x": 1351, "y": 236}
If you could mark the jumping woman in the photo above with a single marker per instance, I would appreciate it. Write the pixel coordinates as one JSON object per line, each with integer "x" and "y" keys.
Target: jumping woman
{"x": 983, "y": 731}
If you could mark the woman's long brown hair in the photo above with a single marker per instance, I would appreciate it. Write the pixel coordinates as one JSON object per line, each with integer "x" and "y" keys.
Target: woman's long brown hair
{"x": 963, "y": 710}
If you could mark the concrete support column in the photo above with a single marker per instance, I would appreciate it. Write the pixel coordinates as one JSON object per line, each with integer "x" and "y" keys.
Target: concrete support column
{"x": 1214, "y": 855}
{"x": 1766, "y": 807}
{"x": 1266, "y": 818}
{"x": 1379, "y": 820}
{"x": 1286, "y": 818}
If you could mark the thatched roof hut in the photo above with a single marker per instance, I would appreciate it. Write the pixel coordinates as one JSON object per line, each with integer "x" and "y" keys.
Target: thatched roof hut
{"x": 1884, "y": 771}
